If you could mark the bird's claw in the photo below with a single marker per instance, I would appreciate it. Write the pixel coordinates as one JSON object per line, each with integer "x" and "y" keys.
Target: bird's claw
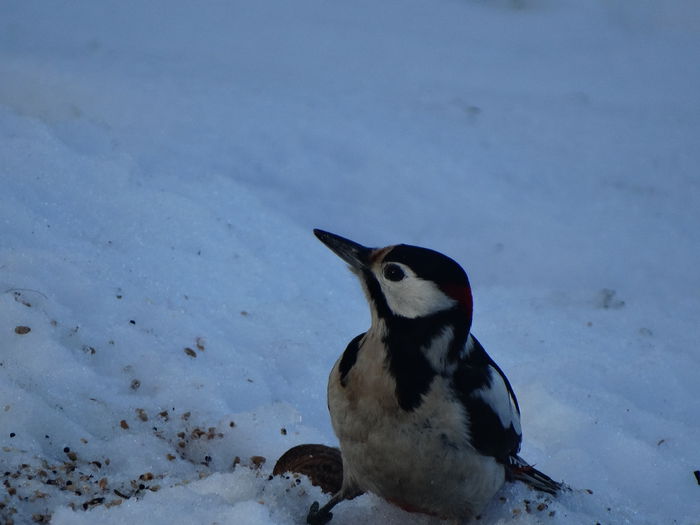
{"x": 316, "y": 517}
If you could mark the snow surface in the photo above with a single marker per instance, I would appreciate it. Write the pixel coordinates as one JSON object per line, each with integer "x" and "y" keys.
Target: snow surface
{"x": 162, "y": 165}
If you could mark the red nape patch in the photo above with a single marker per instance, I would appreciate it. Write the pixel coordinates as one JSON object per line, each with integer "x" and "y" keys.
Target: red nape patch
{"x": 460, "y": 293}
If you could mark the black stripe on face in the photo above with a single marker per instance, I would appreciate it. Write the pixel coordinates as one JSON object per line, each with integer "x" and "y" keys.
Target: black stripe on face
{"x": 376, "y": 295}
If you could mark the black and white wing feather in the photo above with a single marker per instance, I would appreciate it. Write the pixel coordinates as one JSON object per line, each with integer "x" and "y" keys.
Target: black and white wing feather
{"x": 494, "y": 416}
{"x": 489, "y": 400}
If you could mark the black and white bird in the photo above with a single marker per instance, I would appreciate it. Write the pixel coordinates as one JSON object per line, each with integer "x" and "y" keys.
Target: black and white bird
{"x": 425, "y": 418}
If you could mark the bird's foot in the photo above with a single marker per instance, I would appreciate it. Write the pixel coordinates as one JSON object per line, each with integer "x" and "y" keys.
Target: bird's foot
{"x": 318, "y": 516}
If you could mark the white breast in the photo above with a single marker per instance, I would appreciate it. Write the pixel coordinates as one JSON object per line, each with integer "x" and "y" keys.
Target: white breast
{"x": 420, "y": 459}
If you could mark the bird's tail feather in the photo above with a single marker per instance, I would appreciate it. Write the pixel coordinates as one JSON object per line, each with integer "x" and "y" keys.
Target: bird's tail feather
{"x": 520, "y": 470}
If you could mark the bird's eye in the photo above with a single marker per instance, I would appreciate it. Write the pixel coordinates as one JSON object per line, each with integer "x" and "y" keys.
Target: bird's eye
{"x": 393, "y": 272}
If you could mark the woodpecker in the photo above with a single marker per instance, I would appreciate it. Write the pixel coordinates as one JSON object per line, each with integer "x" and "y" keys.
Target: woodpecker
{"x": 425, "y": 418}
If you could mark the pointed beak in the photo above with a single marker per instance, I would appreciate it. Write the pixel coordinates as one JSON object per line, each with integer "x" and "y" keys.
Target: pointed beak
{"x": 356, "y": 255}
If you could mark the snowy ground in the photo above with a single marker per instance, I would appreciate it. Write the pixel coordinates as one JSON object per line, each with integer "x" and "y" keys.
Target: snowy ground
{"x": 161, "y": 167}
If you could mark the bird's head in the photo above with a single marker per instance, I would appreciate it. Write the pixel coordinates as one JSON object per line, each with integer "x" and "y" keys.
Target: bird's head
{"x": 405, "y": 281}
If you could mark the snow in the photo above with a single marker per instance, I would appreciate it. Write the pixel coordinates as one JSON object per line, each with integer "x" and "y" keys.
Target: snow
{"x": 162, "y": 165}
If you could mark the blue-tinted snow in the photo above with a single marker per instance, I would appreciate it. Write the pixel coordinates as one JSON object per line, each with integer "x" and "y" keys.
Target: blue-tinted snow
{"x": 162, "y": 165}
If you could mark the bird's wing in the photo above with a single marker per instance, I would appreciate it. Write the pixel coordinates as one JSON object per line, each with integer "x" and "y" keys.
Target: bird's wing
{"x": 347, "y": 361}
{"x": 489, "y": 400}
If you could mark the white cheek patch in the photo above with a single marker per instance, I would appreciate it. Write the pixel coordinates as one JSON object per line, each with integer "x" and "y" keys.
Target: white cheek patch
{"x": 436, "y": 350}
{"x": 414, "y": 297}
{"x": 500, "y": 401}
{"x": 467, "y": 348}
